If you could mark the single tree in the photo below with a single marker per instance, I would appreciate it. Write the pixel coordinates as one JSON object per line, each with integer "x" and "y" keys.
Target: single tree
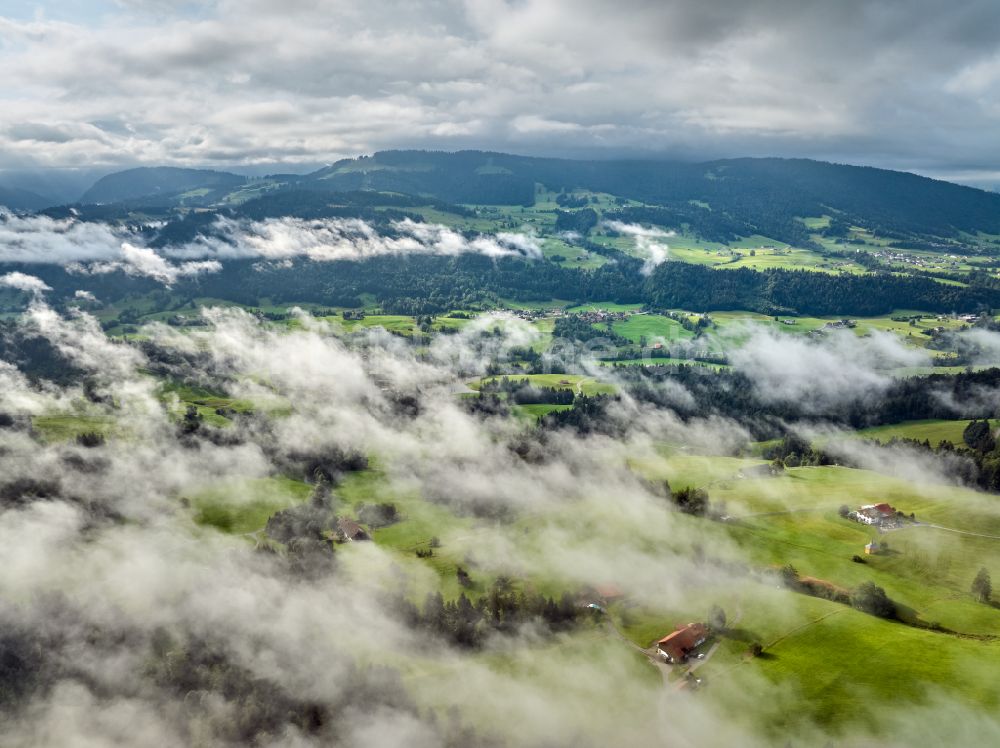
{"x": 982, "y": 587}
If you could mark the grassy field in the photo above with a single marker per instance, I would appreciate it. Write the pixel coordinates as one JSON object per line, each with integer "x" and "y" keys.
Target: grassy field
{"x": 245, "y": 506}
{"x": 607, "y": 306}
{"x": 420, "y": 522}
{"x": 539, "y": 409}
{"x": 934, "y": 431}
{"x": 61, "y": 428}
{"x": 580, "y": 384}
{"x": 824, "y": 662}
{"x": 834, "y": 664}
{"x": 652, "y": 327}
{"x": 205, "y": 401}
{"x": 838, "y": 668}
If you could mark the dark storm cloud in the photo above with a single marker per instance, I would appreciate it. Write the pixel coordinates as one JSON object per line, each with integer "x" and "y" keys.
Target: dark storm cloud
{"x": 900, "y": 84}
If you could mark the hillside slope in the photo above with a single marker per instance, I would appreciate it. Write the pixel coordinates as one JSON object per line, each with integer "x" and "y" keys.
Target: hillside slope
{"x": 743, "y": 196}
{"x": 159, "y": 181}
{"x": 18, "y": 199}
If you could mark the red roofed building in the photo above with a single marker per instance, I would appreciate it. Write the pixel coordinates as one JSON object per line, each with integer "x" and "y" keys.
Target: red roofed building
{"x": 877, "y": 514}
{"x": 676, "y": 646}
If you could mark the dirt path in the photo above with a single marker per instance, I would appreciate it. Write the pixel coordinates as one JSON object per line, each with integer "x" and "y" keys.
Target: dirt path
{"x": 959, "y": 532}
{"x": 804, "y": 626}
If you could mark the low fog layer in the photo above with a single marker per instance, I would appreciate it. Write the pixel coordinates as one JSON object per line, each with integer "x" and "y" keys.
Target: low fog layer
{"x": 123, "y": 620}
{"x": 95, "y": 247}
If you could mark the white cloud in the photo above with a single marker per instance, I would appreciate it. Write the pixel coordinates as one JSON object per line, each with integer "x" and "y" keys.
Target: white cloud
{"x": 24, "y": 282}
{"x": 160, "y": 83}
{"x": 648, "y": 241}
{"x": 142, "y": 261}
{"x": 822, "y": 374}
{"x": 346, "y": 239}
{"x": 94, "y": 248}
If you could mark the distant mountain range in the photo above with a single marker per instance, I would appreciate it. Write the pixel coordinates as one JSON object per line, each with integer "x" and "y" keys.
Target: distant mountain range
{"x": 162, "y": 183}
{"x": 720, "y": 200}
{"x": 18, "y": 199}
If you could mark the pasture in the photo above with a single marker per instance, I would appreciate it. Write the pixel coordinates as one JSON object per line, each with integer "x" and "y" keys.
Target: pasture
{"x": 581, "y": 385}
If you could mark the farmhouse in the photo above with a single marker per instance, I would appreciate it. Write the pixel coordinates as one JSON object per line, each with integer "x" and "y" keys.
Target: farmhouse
{"x": 350, "y": 530}
{"x": 676, "y": 646}
{"x": 608, "y": 593}
{"x": 876, "y": 514}
{"x": 871, "y": 548}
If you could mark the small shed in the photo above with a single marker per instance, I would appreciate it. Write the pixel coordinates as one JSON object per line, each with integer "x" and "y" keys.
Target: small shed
{"x": 871, "y": 548}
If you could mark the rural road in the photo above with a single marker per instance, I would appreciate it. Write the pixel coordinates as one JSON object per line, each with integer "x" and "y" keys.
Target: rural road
{"x": 960, "y": 532}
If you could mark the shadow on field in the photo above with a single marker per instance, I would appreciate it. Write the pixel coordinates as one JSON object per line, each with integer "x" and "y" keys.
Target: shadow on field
{"x": 909, "y": 615}
{"x": 741, "y": 635}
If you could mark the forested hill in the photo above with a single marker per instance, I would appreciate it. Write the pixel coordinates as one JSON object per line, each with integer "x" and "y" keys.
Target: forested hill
{"x": 723, "y": 199}
{"x": 421, "y": 284}
{"x": 160, "y": 182}
{"x": 18, "y": 199}
{"x": 718, "y": 200}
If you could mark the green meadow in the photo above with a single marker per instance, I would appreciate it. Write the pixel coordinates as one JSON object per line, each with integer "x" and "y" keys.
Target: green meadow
{"x": 243, "y": 507}
{"x": 61, "y": 428}
{"x": 650, "y": 327}
{"x": 580, "y": 384}
{"x": 935, "y": 431}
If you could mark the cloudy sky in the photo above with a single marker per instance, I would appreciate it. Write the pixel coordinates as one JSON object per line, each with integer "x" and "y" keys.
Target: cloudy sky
{"x": 912, "y": 84}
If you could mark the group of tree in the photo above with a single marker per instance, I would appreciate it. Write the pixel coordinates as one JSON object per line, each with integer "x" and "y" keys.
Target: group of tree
{"x": 523, "y": 392}
{"x": 576, "y": 328}
{"x": 502, "y": 609}
{"x": 691, "y": 500}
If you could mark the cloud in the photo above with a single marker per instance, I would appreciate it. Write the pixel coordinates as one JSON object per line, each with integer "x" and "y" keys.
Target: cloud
{"x": 23, "y": 282}
{"x": 40, "y": 239}
{"x": 184, "y": 83}
{"x": 819, "y": 375}
{"x": 346, "y": 239}
{"x": 144, "y": 262}
{"x": 133, "y": 623}
{"x": 97, "y": 248}
{"x": 648, "y": 242}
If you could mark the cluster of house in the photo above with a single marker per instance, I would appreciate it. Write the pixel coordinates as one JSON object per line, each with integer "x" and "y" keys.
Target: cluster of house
{"x": 676, "y": 646}
{"x": 529, "y": 315}
{"x": 597, "y": 316}
{"x": 841, "y": 324}
{"x": 908, "y": 259}
{"x": 879, "y": 515}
